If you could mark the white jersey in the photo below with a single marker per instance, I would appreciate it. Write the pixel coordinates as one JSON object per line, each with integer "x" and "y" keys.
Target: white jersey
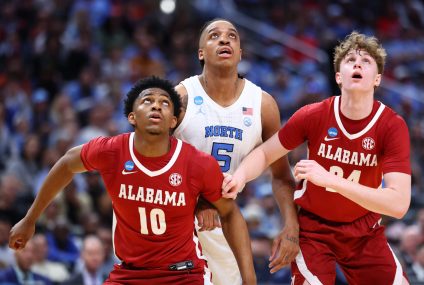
{"x": 227, "y": 133}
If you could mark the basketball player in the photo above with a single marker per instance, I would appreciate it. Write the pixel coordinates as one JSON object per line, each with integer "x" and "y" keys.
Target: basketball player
{"x": 227, "y": 116}
{"x": 353, "y": 142}
{"x": 154, "y": 181}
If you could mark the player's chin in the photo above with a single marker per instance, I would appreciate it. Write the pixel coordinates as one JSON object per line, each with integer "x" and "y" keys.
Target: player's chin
{"x": 155, "y": 131}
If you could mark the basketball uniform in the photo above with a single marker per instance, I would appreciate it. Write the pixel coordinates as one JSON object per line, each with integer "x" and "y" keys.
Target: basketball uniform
{"x": 332, "y": 227}
{"x": 229, "y": 134}
{"x": 153, "y": 200}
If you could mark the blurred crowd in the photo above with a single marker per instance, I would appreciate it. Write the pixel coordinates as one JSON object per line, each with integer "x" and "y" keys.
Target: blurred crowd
{"x": 66, "y": 65}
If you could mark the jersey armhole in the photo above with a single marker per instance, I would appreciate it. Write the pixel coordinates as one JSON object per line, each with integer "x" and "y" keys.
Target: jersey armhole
{"x": 181, "y": 127}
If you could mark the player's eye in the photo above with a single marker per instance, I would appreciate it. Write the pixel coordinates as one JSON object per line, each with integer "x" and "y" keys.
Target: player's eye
{"x": 214, "y": 35}
{"x": 232, "y": 36}
{"x": 165, "y": 103}
{"x": 146, "y": 101}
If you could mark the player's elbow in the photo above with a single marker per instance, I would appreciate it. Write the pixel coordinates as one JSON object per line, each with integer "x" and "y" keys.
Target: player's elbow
{"x": 400, "y": 210}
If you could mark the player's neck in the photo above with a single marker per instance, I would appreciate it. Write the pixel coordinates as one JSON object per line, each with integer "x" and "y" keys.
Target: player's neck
{"x": 152, "y": 146}
{"x": 223, "y": 87}
{"x": 356, "y": 106}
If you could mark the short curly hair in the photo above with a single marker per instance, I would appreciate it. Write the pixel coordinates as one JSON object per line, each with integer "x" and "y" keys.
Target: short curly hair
{"x": 357, "y": 41}
{"x": 152, "y": 82}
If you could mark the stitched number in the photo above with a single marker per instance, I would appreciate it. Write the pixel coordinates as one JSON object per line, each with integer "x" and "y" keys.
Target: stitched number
{"x": 224, "y": 160}
{"x": 354, "y": 176}
{"x": 157, "y": 221}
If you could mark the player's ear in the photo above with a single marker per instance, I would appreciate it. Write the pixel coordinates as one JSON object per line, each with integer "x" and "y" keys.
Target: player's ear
{"x": 377, "y": 80}
{"x": 174, "y": 122}
{"x": 338, "y": 78}
{"x": 200, "y": 54}
{"x": 131, "y": 118}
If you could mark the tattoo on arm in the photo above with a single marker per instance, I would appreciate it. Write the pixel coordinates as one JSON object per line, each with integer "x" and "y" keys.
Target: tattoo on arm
{"x": 292, "y": 239}
{"x": 184, "y": 101}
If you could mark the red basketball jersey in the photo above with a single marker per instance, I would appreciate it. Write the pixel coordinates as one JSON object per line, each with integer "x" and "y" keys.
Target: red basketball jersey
{"x": 154, "y": 198}
{"x": 358, "y": 150}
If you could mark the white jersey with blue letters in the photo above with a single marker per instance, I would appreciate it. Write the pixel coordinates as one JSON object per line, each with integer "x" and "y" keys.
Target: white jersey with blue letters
{"x": 229, "y": 134}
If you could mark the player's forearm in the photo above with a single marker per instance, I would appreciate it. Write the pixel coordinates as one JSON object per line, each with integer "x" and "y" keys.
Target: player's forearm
{"x": 283, "y": 194}
{"x": 236, "y": 233}
{"x": 252, "y": 165}
{"x": 59, "y": 176}
{"x": 390, "y": 201}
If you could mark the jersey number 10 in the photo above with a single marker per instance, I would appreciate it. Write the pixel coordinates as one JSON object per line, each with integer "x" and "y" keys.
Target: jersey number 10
{"x": 157, "y": 221}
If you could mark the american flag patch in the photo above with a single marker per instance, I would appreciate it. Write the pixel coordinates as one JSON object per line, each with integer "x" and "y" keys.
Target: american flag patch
{"x": 247, "y": 111}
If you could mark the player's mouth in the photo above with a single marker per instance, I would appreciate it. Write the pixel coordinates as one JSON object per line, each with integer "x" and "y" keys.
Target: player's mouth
{"x": 357, "y": 75}
{"x": 225, "y": 52}
{"x": 155, "y": 117}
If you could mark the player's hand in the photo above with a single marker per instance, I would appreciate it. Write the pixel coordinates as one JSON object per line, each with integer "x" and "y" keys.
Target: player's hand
{"x": 207, "y": 216}
{"x": 285, "y": 247}
{"x": 311, "y": 171}
{"x": 231, "y": 186}
{"x": 21, "y": 233}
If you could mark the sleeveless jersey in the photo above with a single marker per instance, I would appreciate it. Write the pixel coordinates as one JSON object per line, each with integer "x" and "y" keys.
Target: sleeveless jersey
{"x": 154, "y": 198}
{"x": 380, "y": 145}
{"x": 228, "y": 133}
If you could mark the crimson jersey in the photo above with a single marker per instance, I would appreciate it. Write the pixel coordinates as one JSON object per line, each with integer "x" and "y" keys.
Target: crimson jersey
{"x": 358, "y": 150}
{"x": 154, "y": 198}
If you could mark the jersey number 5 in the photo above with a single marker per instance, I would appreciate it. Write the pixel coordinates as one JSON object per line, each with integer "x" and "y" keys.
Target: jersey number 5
{"x": 354, "y": 176}
{"x": 224, "y": 160}
{"x": 157, "y": 221}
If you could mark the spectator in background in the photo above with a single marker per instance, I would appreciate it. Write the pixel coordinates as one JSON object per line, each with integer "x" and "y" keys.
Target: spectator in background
{"x": 62, "y": 244}
{"x": 7, "y": 258}
{"x": 21, "y": 273}
{"x": 55, "y": 271}
{"x": 27, "y": 164}
{"x": 105, "y": 235}
{"x": 91, "y": 261}
{"x": 416, "y": 271}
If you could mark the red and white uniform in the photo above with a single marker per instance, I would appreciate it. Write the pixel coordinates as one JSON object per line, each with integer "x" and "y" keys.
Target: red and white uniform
{"x": 154, "y": 199}
{"x": 360, "y": 151}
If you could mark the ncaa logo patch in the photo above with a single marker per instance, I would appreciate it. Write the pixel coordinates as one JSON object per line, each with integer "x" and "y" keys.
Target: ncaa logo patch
{"x": 368, "y": 143}
{"x": 198, "y": 100}
{"x": 175, "y": 179}
{"x": 332, "y": 132}
{"x": 129, "y": 165}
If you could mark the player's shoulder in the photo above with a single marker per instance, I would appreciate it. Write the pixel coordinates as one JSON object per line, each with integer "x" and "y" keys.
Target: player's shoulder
{"x": 391, "y": 118}
{"x": 316, "y": 110}
{"x": 113, "y": 142}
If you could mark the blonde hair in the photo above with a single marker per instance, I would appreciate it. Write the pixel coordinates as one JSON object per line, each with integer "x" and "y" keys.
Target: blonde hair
{"x": 357, "y": 41}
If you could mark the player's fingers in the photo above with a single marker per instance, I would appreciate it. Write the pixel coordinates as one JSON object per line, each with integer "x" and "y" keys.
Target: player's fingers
{"x": 277, "y": 267}
{"x": 217, "y": 221}
{"x": 275, "y": 248}
{"x": 227, "y": 179}
{"x": 17, "y": 243}
{"x": 199, "y": 217}
{"x": 230, "y": 195}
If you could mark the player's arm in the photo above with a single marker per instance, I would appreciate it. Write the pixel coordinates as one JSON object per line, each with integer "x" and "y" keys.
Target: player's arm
{"x": 393, "y": 200}
{"x": 59, "y": 176}
{"x": 182, "y": 91}
{"x": 286, "y": 245}
{"x": 237, "y": 236}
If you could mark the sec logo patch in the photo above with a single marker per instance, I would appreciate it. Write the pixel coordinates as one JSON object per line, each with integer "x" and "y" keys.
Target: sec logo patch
{"x": 175, "y": 179}
{"x": 368, "y": 143}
